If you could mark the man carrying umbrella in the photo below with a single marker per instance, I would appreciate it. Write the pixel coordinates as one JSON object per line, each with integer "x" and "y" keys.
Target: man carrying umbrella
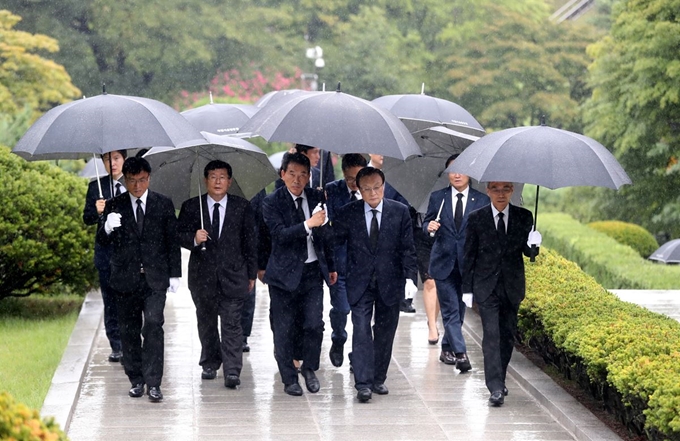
{"x": 493, "y": 270}
{"x": 95, "y": 201}
{"x": 222, "y": 269}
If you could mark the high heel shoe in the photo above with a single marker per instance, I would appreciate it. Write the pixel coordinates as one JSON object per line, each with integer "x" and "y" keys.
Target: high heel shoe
{"x": 435, "y": 341}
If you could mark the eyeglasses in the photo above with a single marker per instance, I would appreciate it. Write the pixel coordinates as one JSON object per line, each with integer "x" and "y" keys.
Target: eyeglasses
{"x": 371, "y": 189}
{"x": 130, "y": 181}
{"x": 504, "y": 190}
{"x": 215, "y": 178}
{"x": 350, "y": 179}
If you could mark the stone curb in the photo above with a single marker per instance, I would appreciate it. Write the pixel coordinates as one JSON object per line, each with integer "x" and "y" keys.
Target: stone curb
{"x": 63, "y": 393}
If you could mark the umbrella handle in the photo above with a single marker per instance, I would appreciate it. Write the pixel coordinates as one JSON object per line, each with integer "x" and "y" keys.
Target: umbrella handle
{"x": 200, "y": 202}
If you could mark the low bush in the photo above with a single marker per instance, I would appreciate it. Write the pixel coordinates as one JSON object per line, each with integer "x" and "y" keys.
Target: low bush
{"x": 613, "y": 265}
{"x": 44, "y": 245}
{"x": 625, "y": 355}
{"x": 19, "y": 423}
{"x": 629, "y": 234}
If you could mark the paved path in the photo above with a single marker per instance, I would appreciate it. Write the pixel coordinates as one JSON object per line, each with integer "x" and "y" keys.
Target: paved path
{"x": 428, "y": 400}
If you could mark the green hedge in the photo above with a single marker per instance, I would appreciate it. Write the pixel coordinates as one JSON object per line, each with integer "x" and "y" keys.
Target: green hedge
{"x": 629, "y": 234}
{"x": 628, "y": 355}
{"x": 19, "y": 423}
{"x": 614, "y": 266}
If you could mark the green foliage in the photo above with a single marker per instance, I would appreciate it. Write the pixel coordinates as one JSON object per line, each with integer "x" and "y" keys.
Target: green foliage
{"x": 43, "y": 241}
{"x": 26, "y": 78}
{"x": 13, "y": 126}
{"x": 18, "y": 422}
{"x": 612, "y": 264}
{"x": 629, "y": 234}
{"x": 621, "y": 345}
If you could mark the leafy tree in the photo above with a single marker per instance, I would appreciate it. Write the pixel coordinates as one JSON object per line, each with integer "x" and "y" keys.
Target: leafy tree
{"x": 635, "y": 110}
{"x": 43, "y": 241}
{"x": 26, "y": 78}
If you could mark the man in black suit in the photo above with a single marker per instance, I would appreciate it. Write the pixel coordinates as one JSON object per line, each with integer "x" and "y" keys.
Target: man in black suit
{"x": 381, "y": 266}
{"x": 497, "y": 237}
{"x": 146, "y": 262}
{"x": 338, "y": 194}
{"x": 222, "y": 269}
{"x": 92, "y": 213}
{"x": 446, "y": 259}
{"x": 301, "y": 258}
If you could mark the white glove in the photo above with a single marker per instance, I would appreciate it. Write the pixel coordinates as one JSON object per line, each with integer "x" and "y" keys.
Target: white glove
{"x": 467, "y": 299}
{"x": 318, "y": 208}
{"x": 112, "y": 222}
{"x": 174, "y": 284}
{"x": 535, "y": 238}
{"x": 410, "y": 289}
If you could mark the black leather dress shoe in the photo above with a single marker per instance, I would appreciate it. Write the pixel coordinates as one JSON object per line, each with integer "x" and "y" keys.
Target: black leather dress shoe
{"x": 311, "y": 381}
{"x": 505, "y": 391}
{"x": 231, "y": 381}
{"x": 496, "y": 398}
{"x": 246, "y": 346}
{"x": 364, "y": 395}
{"x": 447, "y": 357}
{"x": 380, "y": 389}
{"x": 115, "y": 356}
{"x": 155, "y": 394}
{"x": 336, "y": 355}
{"x": 137, "y": 390}
{"x": 463, "y": 362}
{"x": 407, "y": 306}
{"x": 208, "y": 373}
{"x": 293, "y": 389}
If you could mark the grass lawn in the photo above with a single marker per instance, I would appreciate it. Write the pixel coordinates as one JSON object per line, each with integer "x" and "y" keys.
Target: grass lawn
{"x": 33, "y": 333}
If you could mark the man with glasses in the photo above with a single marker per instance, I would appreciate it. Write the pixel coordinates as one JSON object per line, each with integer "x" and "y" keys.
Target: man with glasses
{"x": 222, "y": 269}
{"x": 498, "y": 236}
{"x": 381, "y": 266}
{"x": 146, "y": 263}
{"x": 338, "y": 194}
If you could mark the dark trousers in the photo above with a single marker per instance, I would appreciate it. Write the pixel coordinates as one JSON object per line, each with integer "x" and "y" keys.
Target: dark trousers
{"x": 110, "y": 310}
{"x": 372, "y": 349}
{"x": 339, "y": 310}
{"x": 140, "y": 316}
{"x": 453, "y": 311}
{"x": 306, "y": 300}
{"x": 248, "y": 313}
{"x": 226, "y": 351}
{"x": 499, "y": 324}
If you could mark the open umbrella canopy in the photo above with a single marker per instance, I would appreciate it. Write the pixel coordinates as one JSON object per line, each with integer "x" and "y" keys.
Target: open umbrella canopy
{"x": 220, "y": 119}
{"x": 668, "y": 252}
{"x": 94, "y": 168}
{"x": 334, "y": 121}
{"x": 101, "y": 124}
{"x": 178, "y": 172}
{"x": 541, "y": 155}
{"x": 276, "y": 96}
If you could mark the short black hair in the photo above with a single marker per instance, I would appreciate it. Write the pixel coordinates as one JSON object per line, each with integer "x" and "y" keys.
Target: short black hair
{"x": 451, "y": 159}
{"x": 301, "y": 148}
{"x": 216, "y": 164}
{"x": 369, "y": 171}
{"x": 122, "y": 152}
{"x": 134, "y": 166}
{"x": 353, "y": 160}
{"x": 297, "y": 158}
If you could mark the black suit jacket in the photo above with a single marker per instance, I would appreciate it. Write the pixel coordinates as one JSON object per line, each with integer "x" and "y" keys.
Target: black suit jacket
{"x": 289, "y": 239}
{"x": 486, "y": 259}
{"x": 102, "y": 254}
{"x": 231, "y": 259}
{"x": 394, "y": 259}
{"x": 156, "y": 249}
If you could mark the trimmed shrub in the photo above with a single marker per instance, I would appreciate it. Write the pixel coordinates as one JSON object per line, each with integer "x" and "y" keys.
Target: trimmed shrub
{"x": 18, "y": 422}
{"x": 629, "y": 234}
{"x": 613, "y": 265}
{"x": 625, "y": 355}
{"x": 43, "y": 242}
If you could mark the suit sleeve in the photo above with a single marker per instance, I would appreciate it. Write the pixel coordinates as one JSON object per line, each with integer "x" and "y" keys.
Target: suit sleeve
{"x": 275, "y": 222}
{"x": 527, "y": 226}
{"x": 409, "y": 260}
{"x": 470, "y": 251}
{"x": 249, "y": 241}
{"x": 432, "y": 210}
{"x": 185, "y": 228}
{"x": 90, "y": 215}
{"x": 171, "y": 241}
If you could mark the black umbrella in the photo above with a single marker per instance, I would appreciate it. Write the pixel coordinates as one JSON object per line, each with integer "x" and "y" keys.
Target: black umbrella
{"x": 220, "y": 119}
{"x": 334, "y": 121}
{"x": 668, "y": 252}
{"x": 541, "y": 155}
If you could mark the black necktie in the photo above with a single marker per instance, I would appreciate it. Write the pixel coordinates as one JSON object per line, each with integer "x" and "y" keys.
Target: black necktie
{"x": 140, "y": 217}
{"x": 375, "y": 231}
{"x": 501, "y": 226}
{"x": 118, "y": 184}
{"x": 458, "y": 214}
{"x": 353, "y": 197}
{"x": 216, "y": 221}
{"x": 300, "y": 212}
